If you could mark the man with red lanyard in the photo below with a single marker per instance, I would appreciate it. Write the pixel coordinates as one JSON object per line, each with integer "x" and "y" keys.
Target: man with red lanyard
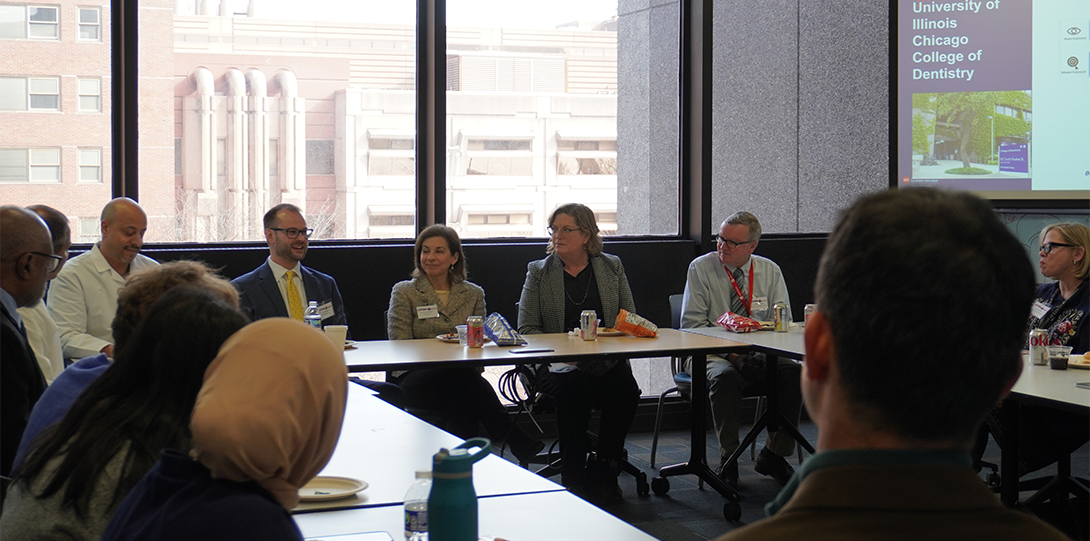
{"x": 733, "y": 279}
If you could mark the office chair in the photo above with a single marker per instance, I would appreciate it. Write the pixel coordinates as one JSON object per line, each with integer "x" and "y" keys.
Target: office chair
{"x": 542, "y": 402}
{"x": 683, "y": 385}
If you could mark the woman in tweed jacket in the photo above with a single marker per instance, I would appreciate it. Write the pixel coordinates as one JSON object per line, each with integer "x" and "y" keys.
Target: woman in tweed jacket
{"x": 577, "y": 276}
{"x": 432, "y": 303}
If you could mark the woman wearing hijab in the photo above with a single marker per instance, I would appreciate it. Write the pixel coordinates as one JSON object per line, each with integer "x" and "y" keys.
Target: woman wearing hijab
{"x": 81, "y": 468}
{"x": 265, "y": 423}
{"x": 577, "y": 276}
{"x": 432, "y": 303}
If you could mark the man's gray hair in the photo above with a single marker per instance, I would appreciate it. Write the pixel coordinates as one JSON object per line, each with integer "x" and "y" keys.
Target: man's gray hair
{"x": 747, "y": 219}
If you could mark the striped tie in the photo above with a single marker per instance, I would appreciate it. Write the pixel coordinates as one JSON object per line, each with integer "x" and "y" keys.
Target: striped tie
{"x": 295, "y": 304}
{"x": 736, "y": 304}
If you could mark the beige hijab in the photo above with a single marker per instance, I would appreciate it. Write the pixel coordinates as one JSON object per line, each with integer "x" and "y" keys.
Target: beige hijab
{"x": 271, "y": 407}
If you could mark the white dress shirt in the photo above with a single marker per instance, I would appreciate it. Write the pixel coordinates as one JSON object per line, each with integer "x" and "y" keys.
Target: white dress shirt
{"x": 45, "y": 340}
{"x": 281, "y": 275}
{"x": 83, "y": 301}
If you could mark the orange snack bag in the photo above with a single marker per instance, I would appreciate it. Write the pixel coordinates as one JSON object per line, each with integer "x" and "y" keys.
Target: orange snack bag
{"x": 634, "y": 325}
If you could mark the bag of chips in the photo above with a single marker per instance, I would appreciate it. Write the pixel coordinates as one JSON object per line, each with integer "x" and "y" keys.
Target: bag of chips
{"x": 738, "y": 323}
{"x": 634, "y": 325}
{"x": 500, "y": 331}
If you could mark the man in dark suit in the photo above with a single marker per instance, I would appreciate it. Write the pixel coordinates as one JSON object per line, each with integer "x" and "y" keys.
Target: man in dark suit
{"x": 26, "y": 254}
{"x": 282, "y": 286}
{"x": 922, "y": 301}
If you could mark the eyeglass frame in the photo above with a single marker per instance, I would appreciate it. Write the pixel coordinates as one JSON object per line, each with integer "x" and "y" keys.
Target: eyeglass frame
{"x": 1048, "y": 246}
{"x": 566, "y": 230}
{"x": 730, "y": 243}
{"x": 57, "y": 260}
{"x": 288, "y": 232}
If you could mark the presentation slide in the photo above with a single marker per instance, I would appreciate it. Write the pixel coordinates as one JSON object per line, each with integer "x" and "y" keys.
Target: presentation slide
{"x": 993, "y": 96}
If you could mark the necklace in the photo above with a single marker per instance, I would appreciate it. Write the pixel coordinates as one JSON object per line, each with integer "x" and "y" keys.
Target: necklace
{"x": 585, "y": 293}
{"x": 580, "y": 303}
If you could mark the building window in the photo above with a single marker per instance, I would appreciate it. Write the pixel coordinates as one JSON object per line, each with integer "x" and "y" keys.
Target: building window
{"x": 90, "y": 95}
{"x": 221, "y": 161}
{"x": 498, "y": 218}
{"x": 90, "y": 165}
{"x": 13, "y": 94}
{"x": 391, "y": 153}
{"x": 13, "y": 165}
{"x": 90, "y": 24}
{"x": 319, "y": 157}
{"x": 586, "y": 155}
{"x": 45, "y": 164}
{"x": 500, "y": 155}
{"x": 45, "y": 94}
{"x": 274, "y": 162}
{"x": 34, "y": 165}
{"x": 177, "y": 155}
{"x": 12, "y": 22}
{"x": 43, "y": 22}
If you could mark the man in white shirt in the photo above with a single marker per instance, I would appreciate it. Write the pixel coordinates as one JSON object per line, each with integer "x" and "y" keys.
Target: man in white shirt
{"x": 41, "y": 331}
{"x": 83, "y": 297}
{"x": 282, "y": 286}
{"x": 733, "y": 279}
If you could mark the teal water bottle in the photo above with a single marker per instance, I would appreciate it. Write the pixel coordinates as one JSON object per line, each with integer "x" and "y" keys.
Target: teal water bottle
{"x": 452, "y": 504}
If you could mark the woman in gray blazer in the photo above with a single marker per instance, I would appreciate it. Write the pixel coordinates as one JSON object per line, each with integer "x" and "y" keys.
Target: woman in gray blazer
{"x": 577, "y": 276}
{"x": 432, "y": 303}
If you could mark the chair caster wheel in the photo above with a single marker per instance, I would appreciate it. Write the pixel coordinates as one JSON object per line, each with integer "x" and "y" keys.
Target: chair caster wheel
{"x": 994, "y": 480}
{"x": 642, "y": 488}
{"x": 660, "y": 486}
{"x": 732, "y": 511}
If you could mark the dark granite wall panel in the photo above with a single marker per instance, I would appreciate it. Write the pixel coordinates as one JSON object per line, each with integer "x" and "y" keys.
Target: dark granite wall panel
{"x": 755, "y": 112}
{"x": 843, "y": 106}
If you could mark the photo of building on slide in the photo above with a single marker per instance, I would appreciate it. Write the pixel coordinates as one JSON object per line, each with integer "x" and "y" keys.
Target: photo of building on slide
{"x": 962, "y": 135}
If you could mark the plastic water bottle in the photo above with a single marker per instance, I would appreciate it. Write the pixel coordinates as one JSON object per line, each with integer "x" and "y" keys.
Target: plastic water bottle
{"x": 312, "y": 317}
{"x": 416, "y": 507}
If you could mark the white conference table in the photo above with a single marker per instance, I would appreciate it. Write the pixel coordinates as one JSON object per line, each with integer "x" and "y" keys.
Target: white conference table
{"x": 545, "y": 516}
{"x": 378, "y": 355}
{"x": 1039, "y": 385}
{"x": 384, "y": 447}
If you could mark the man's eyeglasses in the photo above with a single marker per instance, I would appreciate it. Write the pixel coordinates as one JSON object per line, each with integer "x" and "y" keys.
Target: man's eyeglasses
{"x": 565, "y": 230}
{"x": 54, "y": 261}
{"x": 293, "y": 233}
{"x": 730, "y": 243}
{"x": 1048, "y": 246}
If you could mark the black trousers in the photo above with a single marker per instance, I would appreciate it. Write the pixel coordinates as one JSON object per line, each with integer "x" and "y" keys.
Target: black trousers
{"x": 464, "y": 398}
{"x": 616, "y": 393}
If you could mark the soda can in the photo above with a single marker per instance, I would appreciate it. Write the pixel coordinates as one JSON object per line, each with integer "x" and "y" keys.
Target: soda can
{"x": 781, "y": 313}
{"x": 588, "y": 324}
{"x": 807, "y": 311}
{"x": 1038, "y": 346}
{"x": 475, "y": 331}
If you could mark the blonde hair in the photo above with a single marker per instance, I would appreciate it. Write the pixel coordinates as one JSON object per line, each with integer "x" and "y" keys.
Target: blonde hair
{"x": 1077, "y": 234}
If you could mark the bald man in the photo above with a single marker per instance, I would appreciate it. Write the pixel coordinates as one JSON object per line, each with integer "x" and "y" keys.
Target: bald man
{"x": 83, "y": 297}
{"x": 26, "y": 259}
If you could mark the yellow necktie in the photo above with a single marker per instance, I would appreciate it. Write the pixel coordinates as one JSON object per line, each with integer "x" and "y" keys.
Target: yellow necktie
{"x": 295, "y": 305}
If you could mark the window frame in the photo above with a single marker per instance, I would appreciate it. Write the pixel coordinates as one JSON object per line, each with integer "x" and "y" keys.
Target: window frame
{"x": 31, "y": 93}
{"x": 56, "y": 23}
{"x": 695, "y": 138}
{"x": 81, "y": 165}
{"x": 80, "y": 95}
{"x": 80, "y": 24}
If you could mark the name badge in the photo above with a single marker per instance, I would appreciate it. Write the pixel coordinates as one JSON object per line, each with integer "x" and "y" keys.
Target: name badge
{"x": 1040, "y": 308}
{"x": 760, "y": 304}
{"x": 326, "y": 310}
{"x": 430, "y": 311}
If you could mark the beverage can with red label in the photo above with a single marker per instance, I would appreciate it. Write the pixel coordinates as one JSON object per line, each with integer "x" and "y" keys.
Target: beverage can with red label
{"x": 475, "y": 331}
{"x": 1038, "y": 346}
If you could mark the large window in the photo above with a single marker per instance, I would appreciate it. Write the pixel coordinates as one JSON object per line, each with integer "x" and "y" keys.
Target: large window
{"x": 51, "y": 151}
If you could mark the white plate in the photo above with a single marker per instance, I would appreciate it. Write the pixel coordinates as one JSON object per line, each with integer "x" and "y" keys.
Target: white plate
{"x": 1078, "y": 362}
{"x": 610, "y": 332}
{"x": 451, "y": 337}
{"x": 349, "y": 344}
{"x": 322, "y": 488}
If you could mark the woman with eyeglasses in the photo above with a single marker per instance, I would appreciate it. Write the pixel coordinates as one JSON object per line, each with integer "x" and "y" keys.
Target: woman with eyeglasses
{"x": 577, "y": 276}
{"x": 436, "y": 299}
{"x": 1062, "y": 308}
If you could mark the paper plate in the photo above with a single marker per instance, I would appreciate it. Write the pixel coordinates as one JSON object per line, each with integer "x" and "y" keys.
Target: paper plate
{"x": 449, "y": 337}
{"x": 1078, "y": 362}
{"x": 349, "y": 344}
{"x": 321, "y": 489}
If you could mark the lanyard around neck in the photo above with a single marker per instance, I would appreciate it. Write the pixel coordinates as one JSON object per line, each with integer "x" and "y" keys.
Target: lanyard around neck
{"x": 738, "y": 291}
